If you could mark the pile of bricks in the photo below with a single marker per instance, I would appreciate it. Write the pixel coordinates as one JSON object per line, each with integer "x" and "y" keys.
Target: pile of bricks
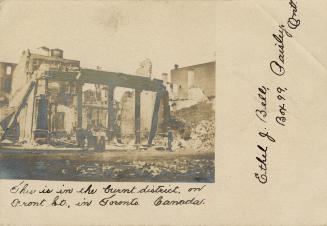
{"x": 203, "y": 136}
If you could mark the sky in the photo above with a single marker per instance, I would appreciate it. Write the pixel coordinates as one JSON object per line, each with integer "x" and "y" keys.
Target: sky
{"x": 114, "y": 35}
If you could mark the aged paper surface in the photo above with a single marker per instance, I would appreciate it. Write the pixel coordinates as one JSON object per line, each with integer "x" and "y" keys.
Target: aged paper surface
{"x": 163, "y": 113}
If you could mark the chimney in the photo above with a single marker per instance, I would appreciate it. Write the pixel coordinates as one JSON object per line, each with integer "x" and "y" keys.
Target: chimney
{"x": 58, "y": 53}
{"x": 45, "y": 51}
{"x": 176, "y": 66}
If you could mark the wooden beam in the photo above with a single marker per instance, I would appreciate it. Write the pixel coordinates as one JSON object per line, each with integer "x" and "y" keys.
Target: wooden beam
{"x": 154, "y": 123}
{"x": 137, "y": 116}
{"x": 104, "y": 78}
{"x": 166, "y": 109}
{"x": 79, "y": 92}
{"x": 111, "y": 113}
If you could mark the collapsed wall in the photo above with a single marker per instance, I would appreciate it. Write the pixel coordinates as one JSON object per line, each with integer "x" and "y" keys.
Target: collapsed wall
{"x": 127, "y": 118}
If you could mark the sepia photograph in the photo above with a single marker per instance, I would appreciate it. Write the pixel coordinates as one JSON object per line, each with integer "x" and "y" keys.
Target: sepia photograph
{"x": 170, "y": 112}
{"x": 107, "y": 91}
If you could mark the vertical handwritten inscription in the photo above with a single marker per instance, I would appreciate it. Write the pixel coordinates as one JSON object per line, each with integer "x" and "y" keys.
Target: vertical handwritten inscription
{"x": 261, "y": 113}
{"x": 277, "y": 67}
{"x": 281, "y": 115}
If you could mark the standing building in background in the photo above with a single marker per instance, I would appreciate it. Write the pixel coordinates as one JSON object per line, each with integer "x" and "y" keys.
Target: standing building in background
{"x": 196, "y": 76}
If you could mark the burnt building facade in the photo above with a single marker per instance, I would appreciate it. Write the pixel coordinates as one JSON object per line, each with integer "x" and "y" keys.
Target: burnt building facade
{"x": 29, "y": 92}
{"x": 49, "y": 100}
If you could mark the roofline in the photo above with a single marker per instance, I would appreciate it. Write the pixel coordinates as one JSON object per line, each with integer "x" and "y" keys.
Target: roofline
{"x": 1, "y": 62}
{"x": 35, "y": 55}
{"x": 196, "y": 65}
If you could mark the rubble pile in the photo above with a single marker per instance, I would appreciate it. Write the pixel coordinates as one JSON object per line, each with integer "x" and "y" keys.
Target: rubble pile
{"x": 160, "y": 141}
{"x": 195, "y": 113}
{"x": 203, "y": 136}
{"x": 196, "y": 128}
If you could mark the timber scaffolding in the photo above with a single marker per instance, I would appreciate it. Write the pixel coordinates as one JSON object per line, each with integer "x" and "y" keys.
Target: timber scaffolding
{"x": 81, "y": 77}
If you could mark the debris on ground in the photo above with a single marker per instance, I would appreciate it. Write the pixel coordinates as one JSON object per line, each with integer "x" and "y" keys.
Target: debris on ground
{"x": 194, "y": 128}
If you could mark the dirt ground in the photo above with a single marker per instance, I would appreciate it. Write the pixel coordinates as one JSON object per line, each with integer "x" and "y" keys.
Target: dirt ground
{"x": 137, "y": 166}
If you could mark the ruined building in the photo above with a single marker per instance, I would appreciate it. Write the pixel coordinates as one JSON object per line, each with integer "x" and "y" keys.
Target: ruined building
{"x": 47, "y": 101}
{"x": 95, "y": 107}
{"x": 28, "y": 92}
{"x": 147, "y": 99}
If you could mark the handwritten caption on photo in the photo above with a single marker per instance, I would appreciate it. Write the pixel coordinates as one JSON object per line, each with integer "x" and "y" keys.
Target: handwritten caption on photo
{"x": 65, "y": 196}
